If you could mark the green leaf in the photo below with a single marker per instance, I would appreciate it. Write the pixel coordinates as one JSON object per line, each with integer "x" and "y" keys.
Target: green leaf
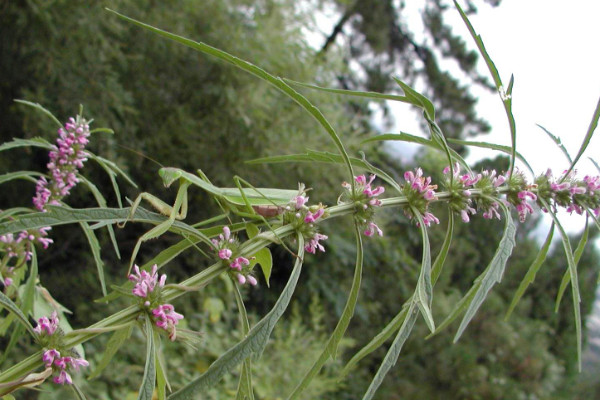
{"x": 149, "y": 379}
{"x": 340, "y": 329}
{"x": 369, "y": 95}
{"x": 61, "y": 216}
{"x": 254, "y": 342}
{"x": 162, "y": 381}
{"x": 406, "y": 137}
{"x": 263, "y": 256}
{"x": 78, "y": 393}
{"x": 493, "y": 273}
{"x": 108, "y": 165}
{"x": 417, "y": 99}
{"x": 102, "y": 203}
{"x": 42, "y": 109}
{"x": 531, "y": 272}
{"x": 595, "y": 164}
{"x": 25, "y": 175}
{"x": 95, "y": 247}
{"x": 507, "y": 103}
{"x": 112, "y": 346}
{"x": 258, "y": 72}
{"x": 12, "y": 308}
{"x": 558, "y": 142}
{"x": 424, "y": 291}
{"x": 587, "y": 138}
{"x": 394, "y": 351}
{"x": 576, "y": 256}
{"x": 245, "y": 384}
{"x": 572, "y": 265}
{"x": 438, "y": 264}
{"x": 498, "y": 147}
{"x": 326, "y": 157}
{"x": 102, "y": 130}
{"x": 35, "y": 142}
{"x": 379, "y": 339}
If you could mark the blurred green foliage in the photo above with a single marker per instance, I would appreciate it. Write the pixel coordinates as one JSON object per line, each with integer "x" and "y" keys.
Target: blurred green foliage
{"x": 181, "y": 109}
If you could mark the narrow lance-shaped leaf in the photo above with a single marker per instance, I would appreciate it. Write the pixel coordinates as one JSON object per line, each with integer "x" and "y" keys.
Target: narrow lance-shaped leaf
{"x": 586, "y": 139}
{"x": 493, "y": 273}
{"x": 25, "y": 175}
{"x": 506, "y": 100}
{"x": 254, "y": 342}
{"x": 577, "y": 256}
{"x": 558, "y": 142}
{"x": 424, "y": 291}
{"x": 39, "y": 107}
{"x": 112, "y": 346}
{"x": 245, "y": 384}
{"x": 595, "y": 163}
{"x": 12, "y": 308}
{"x": 326, "y": 157}
{"x": 35, "y": 142}
{"x": 258, "y": 72}
{"x": 95, "y": 247}
{"x": 398, "y": 320}
{"x": 531, "y": 272}
{"x": 340, "y": 329}
{"x": 369, "y": 95}
{"x": 149, "y": 378}
{"x": 394, "y": 352}
{"x": 574, "y": 279}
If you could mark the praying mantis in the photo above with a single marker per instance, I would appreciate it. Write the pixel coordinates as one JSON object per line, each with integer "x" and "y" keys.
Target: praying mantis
{"x": 246, "y": 202}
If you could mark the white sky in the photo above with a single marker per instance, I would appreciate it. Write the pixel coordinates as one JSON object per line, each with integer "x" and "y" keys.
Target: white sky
{"x": 551, "y": 48}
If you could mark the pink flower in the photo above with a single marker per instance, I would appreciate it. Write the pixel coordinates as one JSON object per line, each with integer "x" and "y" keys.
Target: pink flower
{"x": 224, "y": 254}
{"x": 300, "y": 201}
{"x": 310, "y": 217}
{"x": 63, "y": 378}
{"x": 66, "y": 157}
{"x": 47, "y": 325}
{"x": 239, "y": 262}
{"x": 313, "y": 244}
{"x": 49, "y": 356}
{"x": 167, "y": 319}
{"x": 146, "y": 282}
{"x": 373, "y": 229}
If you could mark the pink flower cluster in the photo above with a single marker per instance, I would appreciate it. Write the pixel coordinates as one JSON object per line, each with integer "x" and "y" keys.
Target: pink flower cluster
{"x": 46, "y": 328}
{"x": 224, "y": 246}
{"x": 19, "y": 246}
{"x": 570, "y": 193}
{"x": 148, "y": 286}
{"x": 66, "y": 157}
{"x": 365, "y": 194}
{"x": 419, "y": 192}
{"x": 313, "y": 243}
{"x": 53, "y": 359}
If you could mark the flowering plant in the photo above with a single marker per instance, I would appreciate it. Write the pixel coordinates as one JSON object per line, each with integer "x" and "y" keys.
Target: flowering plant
{"x": 291, "y": 222}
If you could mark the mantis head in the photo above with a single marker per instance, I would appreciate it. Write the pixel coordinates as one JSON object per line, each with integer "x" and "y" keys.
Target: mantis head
{"x": 169, "y": 175}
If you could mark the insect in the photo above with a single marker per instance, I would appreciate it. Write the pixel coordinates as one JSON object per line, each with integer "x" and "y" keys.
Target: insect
{"x": 247, "y": 202}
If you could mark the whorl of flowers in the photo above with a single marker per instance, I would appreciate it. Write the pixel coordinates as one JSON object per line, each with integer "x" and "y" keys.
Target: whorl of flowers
{"x": 66, "y": 157}
{"x": 459, "y": 191}
{"x": 419, "y": 193}
{"x": 16, "y": 249}
{"x": 518, "y": 194}
{"x": 303, "y": 218}
{"x": 488, "y": 183}
{"x": 148, "y": 287}
{"x": 55, "y": 355}
{"x": 226, "y": 246}
{"x": 570, "y": 193}
{"x": 365, "y": 200}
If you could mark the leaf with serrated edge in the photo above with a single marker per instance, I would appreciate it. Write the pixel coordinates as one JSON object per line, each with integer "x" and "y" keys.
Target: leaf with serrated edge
{"x": 149, "y": 378}
{"x": 259, "y": 73}
{"x": 254, "y": 342}
{"x": 587, "y": 138}
{"x": 531, "y": 272}
{"x": 493, "y": 273}
{"x": 340, "y": 329}
{"x": 112, "y": 346}
{"x": 574, "y": 279}
{"x": 12, "y": 308}
{"x": 567, "y": 276}
{"x": 558, "y": 143}
{"x": 39, "y": 107}
{"x": 424, "y": 290}
{"x": 394, "y": 351}
{"x": 370, "y": 95}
